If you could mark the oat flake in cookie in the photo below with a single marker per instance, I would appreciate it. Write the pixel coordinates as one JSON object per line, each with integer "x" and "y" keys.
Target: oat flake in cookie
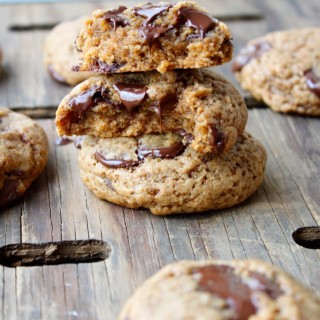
{"x": 282, "y": 69}
{"x": 201, "y": 103}
{"x": 161, "y": 37}
{"x": 221, "y": 290}
{"x": 60, "y": 54}
{"x": 23, "y": 154}
{"x": 162, "y": 173}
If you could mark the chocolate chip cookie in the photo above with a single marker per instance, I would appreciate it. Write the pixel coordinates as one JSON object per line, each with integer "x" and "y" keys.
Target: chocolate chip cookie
{"x": 202, "y": 103}
{"x": 213, "y": 289}
{"x": 163, "y": 173}
{"x": 282, "y": 69}
{"x": 148, "y": 37}
{"x": 23, "y": 154}
{"x": 60, "y": 54}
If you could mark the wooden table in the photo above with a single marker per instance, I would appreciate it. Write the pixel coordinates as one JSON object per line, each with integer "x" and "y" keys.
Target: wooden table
{"x": 59, "y": 207}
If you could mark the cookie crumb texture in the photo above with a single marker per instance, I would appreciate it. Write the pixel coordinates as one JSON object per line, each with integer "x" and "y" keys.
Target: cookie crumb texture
{"x": 202, "y": 103}
{"x": 159, "y": 37}
{"x": 23, "y": 156}
{"x": 213, "y": 289}
{"x": 60, "y": 54}
{"x": 282, "y": 69}
{"x": 154, "y": 172}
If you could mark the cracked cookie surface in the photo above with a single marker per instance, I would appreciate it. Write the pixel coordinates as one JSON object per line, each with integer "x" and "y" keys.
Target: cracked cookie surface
{"x": 148, "y": 37}
{"x": 23, "y": 154}
{"x": 221, "y": 290}
{"x": 202, "y": 103}
{"x": 162, "y": 173}
{"x": 60, "y": 54}
{"x": 282, "y": 69}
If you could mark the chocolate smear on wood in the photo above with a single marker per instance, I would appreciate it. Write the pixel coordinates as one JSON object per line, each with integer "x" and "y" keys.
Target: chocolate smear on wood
{"x": 53, "y": 253}
{"x": 307, "y": 237}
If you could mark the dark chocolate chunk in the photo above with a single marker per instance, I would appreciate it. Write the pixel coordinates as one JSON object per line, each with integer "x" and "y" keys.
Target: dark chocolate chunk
{"x": 222, "y": 282}
{"x": 183, "y": 133}
{"x": 197, "y": 19}
{"x": 313, "y": 81}
{"x": 9, "y": 192}
{"x": 152, "y": 33}
{"x": 114, "y": 164}
{"x": 151, "y": 11}
{"x": 167, "y": 102}
{"x": 218, "y": 139}
{"x": 248, "y": 53}
{"x": 115, "y": 18}
{"x": 164, "y": 152}
{"x": 86, "y": 100}
{"x": 131, "y": 95}
{"x": 55, "y": 75}
{"x": 78, "y": 141}
{"x": 102, "y": 67}
{"x": 62, "y": 141}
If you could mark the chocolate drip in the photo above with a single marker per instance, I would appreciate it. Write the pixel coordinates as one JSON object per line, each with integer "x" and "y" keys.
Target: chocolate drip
{"x": 164, "y": 152}
{"x": 62, "y": 141}
{"x": 114, "y": 164}
{"x": 9, "y": 192}
{"x": 151, "y": 33}
{"x": 248, "y": 53}
{"x": 313, "y": 81}
{"x": 222, "y": 282}
{"x": 115, "y": 18}
{"x": 218, "y": 139}
{"x": 167, "y": 102}
{"x": 197, "y": 19}
{"x": 55, "y": 75}
{"x": 131, "y": 95}
{"x": 151, "y": 11}
{"x": 86, "y": 100}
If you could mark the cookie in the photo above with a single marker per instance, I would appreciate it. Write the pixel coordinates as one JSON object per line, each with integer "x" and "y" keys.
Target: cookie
{"x": 163, "y": 173}
{"x": 60, "y": 54}
{"x": 23, "y": 154}
{"x": 148, "y": 37}
{"x": 282, "y": 69}
{"x": 202, "y": 103}
{"x": 214, "y": 289}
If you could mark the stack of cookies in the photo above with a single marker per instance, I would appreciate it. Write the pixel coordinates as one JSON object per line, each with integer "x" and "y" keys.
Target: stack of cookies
{"x": 156, "y": 132}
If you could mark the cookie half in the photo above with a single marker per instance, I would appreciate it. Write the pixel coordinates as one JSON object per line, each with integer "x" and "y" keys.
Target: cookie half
{"x": 213, "y": 289}
{"x": 148, "y": 37}
{"x": 162, "y": 173}
{"x": 60, "y": 54}
{"x": 283, "y": 70}
{"x": 23, "y": 154}
{"x": 202, "y": 103}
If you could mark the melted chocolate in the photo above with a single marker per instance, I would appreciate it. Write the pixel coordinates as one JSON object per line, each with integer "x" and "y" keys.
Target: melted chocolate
{"x": 167, "y": 102}
{"x": 9, "y": 192}
{"x": 151, "y": 11}
{"x": 131, "y": 95}
{"x": 222, "y": 282}
{"x": 62, "y": 141}
{"x": 55, "y": 75}
{"x": 151, "y": 33}
{"x": 78, "y": 142}
{"x": 197, "y": 19}
{"x": 248, "y": 53}
{"x": 218, "y": 139}
{"x": 114, "y": 164}
{"x": 115, "y": 18}
{"x": 86, "y": 100}
{"x": 164, "y": 152}
{"x": 313, "y": 81}
{"x": 102, "y": 67}
{"x": 183, "y": 133}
